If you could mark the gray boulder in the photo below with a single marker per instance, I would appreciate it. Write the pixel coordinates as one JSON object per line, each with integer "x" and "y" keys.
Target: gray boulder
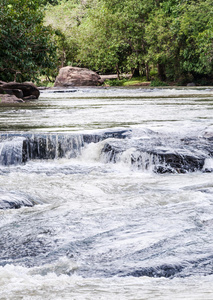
{"x": 73, "y": 76}
{"x": 191, "y": 84}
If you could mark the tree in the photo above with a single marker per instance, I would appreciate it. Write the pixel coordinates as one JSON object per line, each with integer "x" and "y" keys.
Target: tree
{"x": 196, "y": 28}
{"x": 27, "y": 48}
{"x": 65, "y": 18}
{"x": 162, "y": 49}
{"x": 179, "y": 37}
{"x": 111, "y": 37}
{"x": 103, "y": 35}
{"x": 174, "y": 36}
{"x": 99, "y": 44}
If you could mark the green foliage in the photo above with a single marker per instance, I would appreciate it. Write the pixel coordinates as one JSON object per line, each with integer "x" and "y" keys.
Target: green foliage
{"x": 52, "y": 2}
{"x": 174, "y": 37}
{"x": 26, "y": 45}
{"x": 135, "y": 36}
{"x": 179, "y": 35}
{"x": 196, "y": 28}
{"x": 66, "y": 18}
{"x": 135, "y": 81}
{"x": 157, "y": 82}
{"x": 115, "y": 82}
{"x": 103, "y": 35}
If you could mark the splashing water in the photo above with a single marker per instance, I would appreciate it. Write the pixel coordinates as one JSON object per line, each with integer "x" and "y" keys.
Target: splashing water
{"x": 107, "y": 194}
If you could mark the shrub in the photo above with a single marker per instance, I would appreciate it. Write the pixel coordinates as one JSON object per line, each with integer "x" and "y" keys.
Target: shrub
{"x": 157, "y": 82}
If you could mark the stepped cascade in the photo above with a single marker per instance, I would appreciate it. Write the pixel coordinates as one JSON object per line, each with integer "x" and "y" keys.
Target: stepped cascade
{"x": 107, "y": 193}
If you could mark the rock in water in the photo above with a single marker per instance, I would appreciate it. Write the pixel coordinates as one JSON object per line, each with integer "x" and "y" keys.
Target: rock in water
{"x": 9, "y": 99}
{"x": 11, "y": 200}
{"x": 148, "y": 155}
{"x": 25, "y": 90}
{"x": 73, "y": 76}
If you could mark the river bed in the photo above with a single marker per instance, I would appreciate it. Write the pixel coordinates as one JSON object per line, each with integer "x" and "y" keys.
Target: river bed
{"x": 109, "y": 219}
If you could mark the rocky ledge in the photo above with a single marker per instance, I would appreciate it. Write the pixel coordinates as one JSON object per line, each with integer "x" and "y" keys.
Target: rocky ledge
{"x": 12, "y": 92}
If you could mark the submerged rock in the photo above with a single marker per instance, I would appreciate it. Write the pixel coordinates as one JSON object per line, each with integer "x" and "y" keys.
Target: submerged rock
{"x": 167, "y": 271}
{"x": 12, "y": 200}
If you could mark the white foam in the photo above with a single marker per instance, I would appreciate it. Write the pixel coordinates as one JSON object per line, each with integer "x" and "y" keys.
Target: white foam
{"x": 208, "y": 163}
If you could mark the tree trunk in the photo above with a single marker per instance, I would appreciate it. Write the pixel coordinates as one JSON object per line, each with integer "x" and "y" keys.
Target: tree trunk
{"x": 161, "y": 72}
{"x": 118, "y": 72}
{"x": 136, "y": 72}
{"x": 147, "y": 72}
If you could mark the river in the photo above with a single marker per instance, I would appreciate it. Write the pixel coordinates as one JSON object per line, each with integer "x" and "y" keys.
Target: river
{"x": 107, "y": 193}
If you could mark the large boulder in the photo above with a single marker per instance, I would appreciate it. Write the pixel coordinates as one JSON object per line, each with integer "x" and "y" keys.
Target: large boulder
{"x": 73, "y": 76}
{"x": 25, "y": 90}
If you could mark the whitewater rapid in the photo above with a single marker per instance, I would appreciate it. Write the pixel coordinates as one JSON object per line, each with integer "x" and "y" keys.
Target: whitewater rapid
{"x": 95, "y": 217}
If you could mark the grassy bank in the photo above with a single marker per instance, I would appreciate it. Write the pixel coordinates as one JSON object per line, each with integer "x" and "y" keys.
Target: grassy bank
{"x": 135, "y": 81}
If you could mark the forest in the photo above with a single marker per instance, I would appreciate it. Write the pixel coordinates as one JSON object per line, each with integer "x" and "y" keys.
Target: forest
{"x": 162, "y": 40}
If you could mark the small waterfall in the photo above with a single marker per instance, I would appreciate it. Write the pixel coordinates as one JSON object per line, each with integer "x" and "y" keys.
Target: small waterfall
{"x": 159, "y": 158}
{"x": 159, "y": 155}
{"x": 69, "y": 146}
{"x": 144, "y": 161}
{"x": 18, "y": 148}
{"x": 135, "y": 159}
{"x": 11, "y": 151}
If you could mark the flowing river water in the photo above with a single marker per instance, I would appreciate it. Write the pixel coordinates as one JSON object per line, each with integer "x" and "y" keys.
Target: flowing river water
{"x": 107, "y": 193}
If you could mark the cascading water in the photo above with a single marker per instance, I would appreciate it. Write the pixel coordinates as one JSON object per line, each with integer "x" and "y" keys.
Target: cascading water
{"x": 107, "y": 194}
{"x": 11, "y": 151}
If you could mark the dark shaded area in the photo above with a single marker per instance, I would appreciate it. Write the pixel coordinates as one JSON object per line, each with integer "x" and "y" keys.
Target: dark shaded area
{"x": 14, "y": 204}
{"x": 161, "y": 271}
